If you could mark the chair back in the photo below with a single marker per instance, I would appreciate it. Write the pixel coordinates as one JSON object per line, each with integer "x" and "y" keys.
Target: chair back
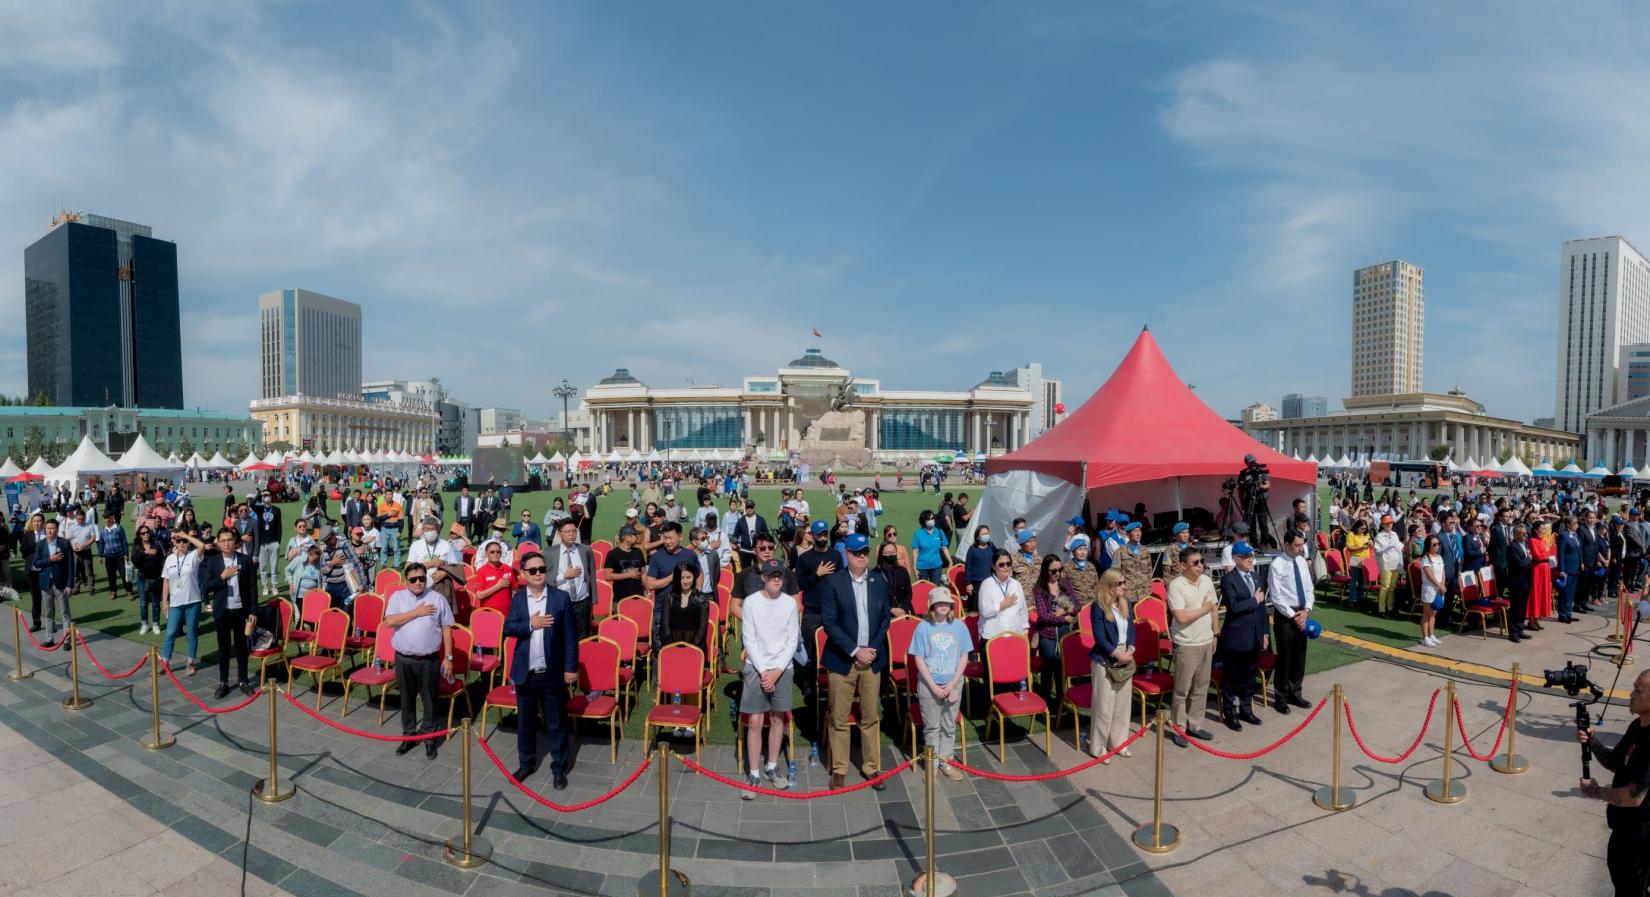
{"x": 681, "y": 669}
{"x": 331, "y": 631}
{"x": 464, "y": 641}
{"x": 487, "y": 627}
{"x": 919, "y": 599}
{"x": 1007, "y": 658}
{"x": 724, "y": 579}
{"x": 604, "y": 600}
{"x": 899, "y": 636}
{"x": 819, "y": 645}
{"x": 509, "y": 654}
{"x": 387, "y": 582}
{"x": 598, "y": 665}
{"x": 972, "y": 621}
{"x": 1160, "y": 590}
{"x": 1486, "y": 582}
{"x": 287, "y": 613}
{"x": 598, "y": 552}
{"x": 1415, "y": 580}
{"x": 1371, "y": 571}
{"x": 469, "y": 569}
{"x": 724, "y": 598}
{"x": 1154, "y": 611}
{"x": 1332, "y": 560}
{"x": 622, "y": 632}
{"x": 640, "y": 612}
{"x": 958, "y": 577}
{"x": 1085, "y": 626}
{"x": 1074, "y": 657}
{"x": 383, "y": 647}
{"x": 1323, "y": 541}
{"x": 912, "y": 678}
{"x": 315, "y": 603}
{"x": 369, "y": 611}
{"x": 1148, "y": 645}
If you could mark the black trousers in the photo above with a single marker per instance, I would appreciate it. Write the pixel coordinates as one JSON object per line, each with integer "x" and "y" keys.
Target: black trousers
{"x": 1289, "y": 642}
{"x": 85, "y": 570}
{"x": 415, "y": 677}
{"x": 34, "y": 595}
{"x": 811, "y": 622}
{"x": 543, "y": 696}
{"x": 1630, "y": 565}
{"x": 1628, "y": 858}
{"x": 581, "y": 618}
{"x": 1518, "y": 606}
{"x": 1237, "y": 681}
{"x": 114, "y": 570}
{"x": 231, "y": 626}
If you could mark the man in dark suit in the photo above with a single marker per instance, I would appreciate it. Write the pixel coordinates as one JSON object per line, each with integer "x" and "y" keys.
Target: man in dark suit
{"x": 856, "y": 611}
{"x": 745, "y": 530}
{"x": 1516, "y": 580}
{"x": 1450, "y": 546}
{"x": 489, "y": 510}
{"x": 573, "y": 570}
{"x": 354, "y": 510}
{"x": 464, "y": 511}
{"x": 1501, "y": 537}
{"x": 545, "y": 663}
{"x": 1586, "y": 586}
{"x": 1566, "y": 583}
{"x": 1242, "y": 638}
{"x": 228, "y": 582}
{"x": 54, "y": 561}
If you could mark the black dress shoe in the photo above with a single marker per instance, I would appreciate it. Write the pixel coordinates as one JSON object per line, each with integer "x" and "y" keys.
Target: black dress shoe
{"x": 1281, "y": 706}
{"x": 1300, "y": 702}
{"x": 247, "y": 688}
{"x": 836, "y": 781}
{"x": 521, "y": 773}
{"x": 1232, "y": 723}
{"x": 1249, "y": 717}
{"x": 223, "y": 689}
{"x": 431, "y": 747}
{"x": 1200, "y": 734}
{"x": 559, "y": 782}
{"x": 405, "y": 747}
{"x": 879, "y": 786}
{"x": 35, "y": 628}
{"x": 1178, "y": 741}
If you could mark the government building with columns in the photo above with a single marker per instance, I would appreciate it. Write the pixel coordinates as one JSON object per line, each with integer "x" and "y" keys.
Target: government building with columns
{"x": 1619, "y": 436}
{"x": 812, "y": 407}
{"x": 1409, "y": 426}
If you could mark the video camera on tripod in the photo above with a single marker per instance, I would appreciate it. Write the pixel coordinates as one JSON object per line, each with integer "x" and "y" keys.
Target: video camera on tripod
{"x": 1573, "y": 679}
{"x": 1251, "y": 485}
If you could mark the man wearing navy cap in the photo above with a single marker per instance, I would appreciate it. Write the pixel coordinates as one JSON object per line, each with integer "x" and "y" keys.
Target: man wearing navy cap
{"x": 1242, "y": 638}
{"x": 1240, "y": 536}
{"x": 856, "y": 613}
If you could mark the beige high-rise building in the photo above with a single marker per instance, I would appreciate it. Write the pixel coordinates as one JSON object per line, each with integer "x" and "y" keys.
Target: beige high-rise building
{"x": 1388, "y": 329}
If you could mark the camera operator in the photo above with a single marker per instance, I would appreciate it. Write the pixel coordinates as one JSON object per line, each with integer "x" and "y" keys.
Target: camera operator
{"x": 1253, "y": 483}
{"x": 1628, "y": 814}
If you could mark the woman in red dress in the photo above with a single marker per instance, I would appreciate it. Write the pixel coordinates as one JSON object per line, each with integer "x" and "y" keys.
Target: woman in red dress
{"x": 1541, "y": 577}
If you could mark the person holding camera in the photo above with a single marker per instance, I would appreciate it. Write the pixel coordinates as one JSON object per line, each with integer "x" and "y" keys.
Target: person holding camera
{"x": 1628, "y": 814}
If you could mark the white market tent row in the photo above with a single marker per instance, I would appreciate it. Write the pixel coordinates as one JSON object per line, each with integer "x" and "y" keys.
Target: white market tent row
{"x": 558, "y": 460}
{"x": 41, "y": 467}
{"x": 142, "y": 458}
{"x": 275, "y": 459}
{"x": 538, "y": 459}
{"x": 195, "y": 462}
{"x": 1571, "y": 468}
{"x": 87, "y": 461}
{"x": 9, "y": 469}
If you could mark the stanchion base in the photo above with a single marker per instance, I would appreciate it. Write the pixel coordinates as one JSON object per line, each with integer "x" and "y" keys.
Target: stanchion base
{"x": 1610, "y": 651}
{"x": 481, "y": 850}
{"x": 1437, "y": 793}
{"x": 676, "y": 885}
{"x": 165, "y": 742}
{"x": 1166, "y": 839}
{"x": 72, "y": 704}
{"x": 19, "y": 677}
{"x": 944, "y": 885}
{"x": 1328, "y": 798}
{"x": 1510, "y": 765}
{"x": 272, "y": 797}
{"x": 1612, "y": 637}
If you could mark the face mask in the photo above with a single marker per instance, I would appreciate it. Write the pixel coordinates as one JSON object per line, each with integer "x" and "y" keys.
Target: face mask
{"x": 430, "y": 538}
{"x": 821, "y": 541}
{"x": 982, "y": 538}
{"x": 928, "y": 525}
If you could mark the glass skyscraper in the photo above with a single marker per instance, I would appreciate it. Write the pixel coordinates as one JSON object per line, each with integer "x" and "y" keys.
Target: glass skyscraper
{"x": 101, "y": 309}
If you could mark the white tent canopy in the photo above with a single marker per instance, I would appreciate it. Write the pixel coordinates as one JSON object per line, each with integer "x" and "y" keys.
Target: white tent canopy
{"x": 1515, "y": 465}
{"x": 558, "y": 459}
{"x": 654, "y": 457}
{"x": 1570, "y": 468}
{"x": 575, "y": 461}
{"x": 41, "y": 467}
{"x": 1598, "y": 470}
{"x": 538, "y": 459}
{"x": 9, "y": 469}
{"x": 1627, "y": 471}
{"x": 195, "y": 462}
{"x": 248, "y": 461}
{"x": 218, "y": 462}
{"x": 142, "y": 457}
{"x": 613, "y": 457}
{"x": 275, "y": 459}
{"x": 635, "y": 457}
{"x": 88, "y": 460}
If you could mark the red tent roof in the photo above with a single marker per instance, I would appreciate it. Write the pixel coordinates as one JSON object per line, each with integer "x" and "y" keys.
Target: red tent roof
{"x": 1143, "y": 424}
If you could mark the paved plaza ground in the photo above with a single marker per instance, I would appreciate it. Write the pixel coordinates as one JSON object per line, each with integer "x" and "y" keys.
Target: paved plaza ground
{"x": 367, "y": 822}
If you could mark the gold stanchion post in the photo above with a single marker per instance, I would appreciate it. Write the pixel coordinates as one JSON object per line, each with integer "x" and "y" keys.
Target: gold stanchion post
{"x": 18, "y": 674}
{"x": 74, "y": 701}
{"x": 467, "y": 850}
{"x": 1511, "y": 763}
{"x": 1615, "y": 630}
{"x": 1444, "y": 790}
{"x": 158, "y": 742}
{"x": 1335, "y": 798}
{"x": 931, "y": 882}
{"x": 269, "y": 790}
{"x": 670, "y": 883}
{"x": 1157, "y": 837}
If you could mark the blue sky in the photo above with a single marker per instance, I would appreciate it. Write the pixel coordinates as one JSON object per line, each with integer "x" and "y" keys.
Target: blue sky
{"x": 520, "y": 193}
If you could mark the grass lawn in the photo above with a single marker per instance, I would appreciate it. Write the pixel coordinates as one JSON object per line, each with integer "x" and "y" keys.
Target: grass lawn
{"x": 119, "y": 616}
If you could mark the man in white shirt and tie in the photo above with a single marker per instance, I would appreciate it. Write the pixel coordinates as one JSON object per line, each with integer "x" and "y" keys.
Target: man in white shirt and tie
{"x": 575, "y": 573}
{"x": 1289, "y": 586}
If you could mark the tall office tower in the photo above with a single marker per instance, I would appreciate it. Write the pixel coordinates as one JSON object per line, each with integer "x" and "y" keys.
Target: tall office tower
{"x": 308, "y": 345}
{"x": 1388, "y": 329}
{"x": 1603, "y": 305}
{"x": 101, "y": 303}
{"x": 1297, "y": 405}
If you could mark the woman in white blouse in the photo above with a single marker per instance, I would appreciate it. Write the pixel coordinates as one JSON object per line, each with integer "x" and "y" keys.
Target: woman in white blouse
{"x": 1001, "y": 601}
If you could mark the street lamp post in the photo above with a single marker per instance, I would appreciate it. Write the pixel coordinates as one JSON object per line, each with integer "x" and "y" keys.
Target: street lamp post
{"x": 565, "y": 391}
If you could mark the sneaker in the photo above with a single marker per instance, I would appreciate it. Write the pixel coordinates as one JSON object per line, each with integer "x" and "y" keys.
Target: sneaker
{"x": 950, "y": 772}
{"x": 777, "y": 780}
{"x": 752, "y": 780}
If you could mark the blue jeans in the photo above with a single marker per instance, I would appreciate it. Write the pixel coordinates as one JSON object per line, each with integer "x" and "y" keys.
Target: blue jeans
{"x": 149, "y": 590}
{"x": 932, "y": 574}
{"x": 389, "y": 546}
{"x": 188, "y": 615}
{"x": 1355, "y": 588}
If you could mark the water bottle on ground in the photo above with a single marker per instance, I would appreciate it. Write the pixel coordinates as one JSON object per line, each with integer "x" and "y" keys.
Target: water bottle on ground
{"x": 792, "y": 770}
{"x": 813, "y": 755}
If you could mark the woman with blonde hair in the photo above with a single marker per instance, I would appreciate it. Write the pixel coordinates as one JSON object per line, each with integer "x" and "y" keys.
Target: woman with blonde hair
{"x": 1112, "y": 666}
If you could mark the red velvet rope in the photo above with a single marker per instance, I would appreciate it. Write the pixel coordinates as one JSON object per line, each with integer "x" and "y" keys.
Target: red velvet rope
{"x": 427, "y": 736}
{"x": 167, "y": 669}
{"x": 1252, "y": 754}
{"x": 36, "y": 641}
{"x": 1351, "y": 727}
{"x": 103, "y": 669}
{"x": 546, "y": 802}
{"x": 1045, "y": 776}
{"x": 1506, "y": 718}
{"x": 794, "y": 795}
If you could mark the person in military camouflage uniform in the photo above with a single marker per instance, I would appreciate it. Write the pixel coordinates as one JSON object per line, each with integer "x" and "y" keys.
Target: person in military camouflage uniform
{"x": 1027, "y": 565}
{"x": 1082, "y": 573}
{"x": 1135, "y": 563}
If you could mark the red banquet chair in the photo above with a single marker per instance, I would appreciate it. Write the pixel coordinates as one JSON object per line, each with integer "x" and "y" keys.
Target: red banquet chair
{"x": 640, "y": 612}
{"x": 621, "y": 631}
{"x": 958, "y": 577}
{"x": 380, "y": 672}
{"x": 598, "y": 688}
{"x": 388, "y": 582}
{"x": 276, "y": 651}
{"x": 598, "y": 552}
{"x": 1149, "y": 681}
{"x": 1472, "y": 603}
{"x": 1338, "y": 576}
{"x": 1154, "y": 611}
{"x": 919, "y": 601}
{"x": 913, "y": 711}
{"x": 487, "y": 628}
{"x": 502, "y": 696}
{"x": 366, "y": 613}
{"x": 314, "y": 603}
{"x": 1008, "y": 662}
{"x": 1076, "y": 671}
{"x": 899, "y": 646}
{"x": 452, "y": 688}
{"x": 681, "y": 671}
{"x": 330, "y": 635}
{"x": 603, "y": 608}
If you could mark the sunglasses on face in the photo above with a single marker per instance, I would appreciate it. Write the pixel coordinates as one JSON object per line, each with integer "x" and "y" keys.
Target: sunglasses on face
{"x": 415, "y": 579}
{"x": 1196, "y": 563}
{"x": 532, "y": 571}
{"x": 1002, "y": 566}
{"x": 1055, "y": 569}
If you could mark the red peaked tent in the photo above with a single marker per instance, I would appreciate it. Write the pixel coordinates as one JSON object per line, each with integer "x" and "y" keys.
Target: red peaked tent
{"x": 1145, "y": 424}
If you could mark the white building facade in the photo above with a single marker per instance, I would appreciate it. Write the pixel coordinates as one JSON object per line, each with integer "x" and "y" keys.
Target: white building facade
{"x": 1603, "y": 305}
{"x": 1388, "y": 329}
{"x": 308, "y": 345}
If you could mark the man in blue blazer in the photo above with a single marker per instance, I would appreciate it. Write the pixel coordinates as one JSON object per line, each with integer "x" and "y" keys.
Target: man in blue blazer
{"x": 545, "y": 663}
{"x": 1569, "y": 570}
{"x": 854, "y": 608}
{"x": 54, "y": 560}
{"x": 1242, "y": 638}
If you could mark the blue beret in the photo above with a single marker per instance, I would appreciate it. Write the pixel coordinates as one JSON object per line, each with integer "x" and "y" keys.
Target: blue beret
{"x": 1075, "y": 521}
{"x": 1078, "y": 540}
{"x": 1133, "y": 525}
{"x": 1025, "y": 535}
{"x": 1242, "y": 550}
{"x": 1182, "y": 527}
